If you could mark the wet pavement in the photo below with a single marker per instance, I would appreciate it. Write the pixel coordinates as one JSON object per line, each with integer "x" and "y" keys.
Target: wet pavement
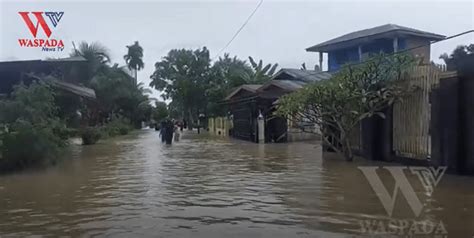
{"x": 134, "y": 186}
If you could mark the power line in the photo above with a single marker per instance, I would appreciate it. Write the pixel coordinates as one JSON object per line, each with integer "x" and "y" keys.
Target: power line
{"x": 239, "y": 30}
{"x": 409, "y": 49}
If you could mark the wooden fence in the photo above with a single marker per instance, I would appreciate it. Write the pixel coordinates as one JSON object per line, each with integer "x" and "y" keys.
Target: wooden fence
{"x": 411, "y": 116}
{"x": 219, "y": 126}
{"x": 411, "y": 137}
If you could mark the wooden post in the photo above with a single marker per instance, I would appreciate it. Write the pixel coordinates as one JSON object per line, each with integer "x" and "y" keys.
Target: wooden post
{"x": 321, "y": 61}
{"x": 395, "y": 44}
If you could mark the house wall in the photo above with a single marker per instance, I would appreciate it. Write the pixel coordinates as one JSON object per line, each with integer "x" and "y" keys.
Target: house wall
{"x": 336, "y": 59}
{"x": 423, "y": 52}
{"x": 377, "y": 46}
{"x": 340, "y": 57}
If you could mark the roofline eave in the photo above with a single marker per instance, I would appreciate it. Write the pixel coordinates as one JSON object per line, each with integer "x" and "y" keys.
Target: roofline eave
{"x": 324, "y": 48}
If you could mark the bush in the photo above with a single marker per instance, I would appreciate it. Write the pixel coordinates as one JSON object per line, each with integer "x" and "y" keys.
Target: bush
{"x": 31, "y": 132}
{"x": 124, "y": 131}
{"x": 27, "y": 145}
{"x": 90, "y": 135}
{"x": 118, "y": 126}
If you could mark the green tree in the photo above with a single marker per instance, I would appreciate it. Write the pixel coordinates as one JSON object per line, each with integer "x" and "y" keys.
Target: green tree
{"x": 97, "y": 57}
{"x": 183, "y": 76}
{"x": 461, "y": 57}
{"x": 118, "y": 94}
{"x": 226, "y": 74}
{"x": 353, "y": 94}
{"x": 160, "y": 111}
{"x": 134, "y": 58}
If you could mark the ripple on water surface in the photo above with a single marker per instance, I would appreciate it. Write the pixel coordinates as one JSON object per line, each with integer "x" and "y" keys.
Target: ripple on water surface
{"x": 205, "y": 187}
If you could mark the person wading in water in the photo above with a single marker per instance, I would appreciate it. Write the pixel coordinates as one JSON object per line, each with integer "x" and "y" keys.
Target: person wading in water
{"x": 163, "y": 131}
{"x": 168, "y": 133}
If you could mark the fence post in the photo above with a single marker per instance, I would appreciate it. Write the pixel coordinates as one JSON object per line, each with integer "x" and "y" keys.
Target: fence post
{"x": 466, "y": 130}
{"x": 261, "y": 128}
{"x": 446, "y": 125}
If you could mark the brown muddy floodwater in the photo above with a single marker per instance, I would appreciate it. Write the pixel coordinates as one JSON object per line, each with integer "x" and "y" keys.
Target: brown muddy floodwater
{"x": 134, "y": 186}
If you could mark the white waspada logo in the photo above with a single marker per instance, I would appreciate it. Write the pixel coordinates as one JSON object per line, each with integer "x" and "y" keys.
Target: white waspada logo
{"x": 429, "y": 178}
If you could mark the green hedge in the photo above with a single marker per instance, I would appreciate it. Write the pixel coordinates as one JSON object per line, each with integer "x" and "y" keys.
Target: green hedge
{"x": 90, "y": 135}
{"x": 118, "y": 126}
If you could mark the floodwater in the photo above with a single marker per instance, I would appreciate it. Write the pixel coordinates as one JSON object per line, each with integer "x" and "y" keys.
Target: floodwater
{"x": 134, "y": 186}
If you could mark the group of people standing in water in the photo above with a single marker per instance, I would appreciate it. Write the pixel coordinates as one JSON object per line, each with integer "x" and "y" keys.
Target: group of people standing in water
{"x": 168, "y": 128}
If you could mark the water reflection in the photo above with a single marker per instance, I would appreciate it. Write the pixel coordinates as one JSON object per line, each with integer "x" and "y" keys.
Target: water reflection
{"x": 206, "y": 187}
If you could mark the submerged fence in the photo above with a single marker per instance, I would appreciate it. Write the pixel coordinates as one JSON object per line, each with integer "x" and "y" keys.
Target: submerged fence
{"x": 411, "y": 116}
{"x": 219, "y": 126}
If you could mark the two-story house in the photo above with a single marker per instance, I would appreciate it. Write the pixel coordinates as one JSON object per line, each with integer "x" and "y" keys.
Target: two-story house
{"x": 389, "y": 38}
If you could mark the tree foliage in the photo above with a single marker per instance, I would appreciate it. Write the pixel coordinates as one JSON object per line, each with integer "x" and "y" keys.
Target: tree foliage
{"x": 32, "y": 119}
{"x": 462, "y": 57}
{"x": 183, "y": 76}
{"x": 134, "y": 58}
{"x": 97, "y": 57}
{"x": 160, "y": 111}
{"x": 118, "y": 95}
{"x": 355, "y": 93}
{"x": 226, "y": 74}
{"x": 195, "y": 86}
{"x": 260, "y": 74}
{"x": 116, "y": 91}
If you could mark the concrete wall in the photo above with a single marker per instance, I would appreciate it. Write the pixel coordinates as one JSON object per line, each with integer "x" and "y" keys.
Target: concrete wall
{"x": 303, "y": 133}
{"x": 219, "y": 126}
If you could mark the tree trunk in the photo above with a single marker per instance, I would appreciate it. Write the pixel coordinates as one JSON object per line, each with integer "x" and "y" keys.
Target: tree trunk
{"x": 190, "y": 120}
{"x": 346, "y": 148}
{"x": 136, "y": 75}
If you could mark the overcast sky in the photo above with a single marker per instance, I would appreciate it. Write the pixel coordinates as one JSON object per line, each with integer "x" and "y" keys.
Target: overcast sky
{"x": 279, "y": 32}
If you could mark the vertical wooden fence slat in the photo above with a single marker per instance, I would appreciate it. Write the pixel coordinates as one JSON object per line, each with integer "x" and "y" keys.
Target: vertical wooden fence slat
{"x": 411, "y": 117}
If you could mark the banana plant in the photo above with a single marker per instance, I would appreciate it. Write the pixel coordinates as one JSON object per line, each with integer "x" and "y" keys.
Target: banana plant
{"x": 261, "y": 73}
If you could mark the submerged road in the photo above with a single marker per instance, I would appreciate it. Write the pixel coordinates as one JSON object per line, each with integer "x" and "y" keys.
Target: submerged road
{"x": 134, "y": 186}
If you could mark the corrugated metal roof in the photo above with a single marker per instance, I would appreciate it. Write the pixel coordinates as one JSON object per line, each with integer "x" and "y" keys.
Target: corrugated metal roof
{"x": 68, "y": 59}
{"x": 252, "y": 87}
{"x": 249, "y": 87}
{"x": 302, "y": 75}
{"x": 290, "y": 85}
{"x": 287, "y": 79}
{"x": 290, "y": 80}
{"x": 29, "y": 65}
{"x": 372, "y": 32}
{"x": 76, "y": 89}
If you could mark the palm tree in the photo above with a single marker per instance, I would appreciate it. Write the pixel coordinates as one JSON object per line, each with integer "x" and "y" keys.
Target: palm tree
{"x": 134, "y": 58}
{"x": 97, "y": 57}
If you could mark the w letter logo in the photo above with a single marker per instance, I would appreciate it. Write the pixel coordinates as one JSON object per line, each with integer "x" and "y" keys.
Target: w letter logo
{"x": 429, "y": 178}
{"x": 54, "y": 17}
